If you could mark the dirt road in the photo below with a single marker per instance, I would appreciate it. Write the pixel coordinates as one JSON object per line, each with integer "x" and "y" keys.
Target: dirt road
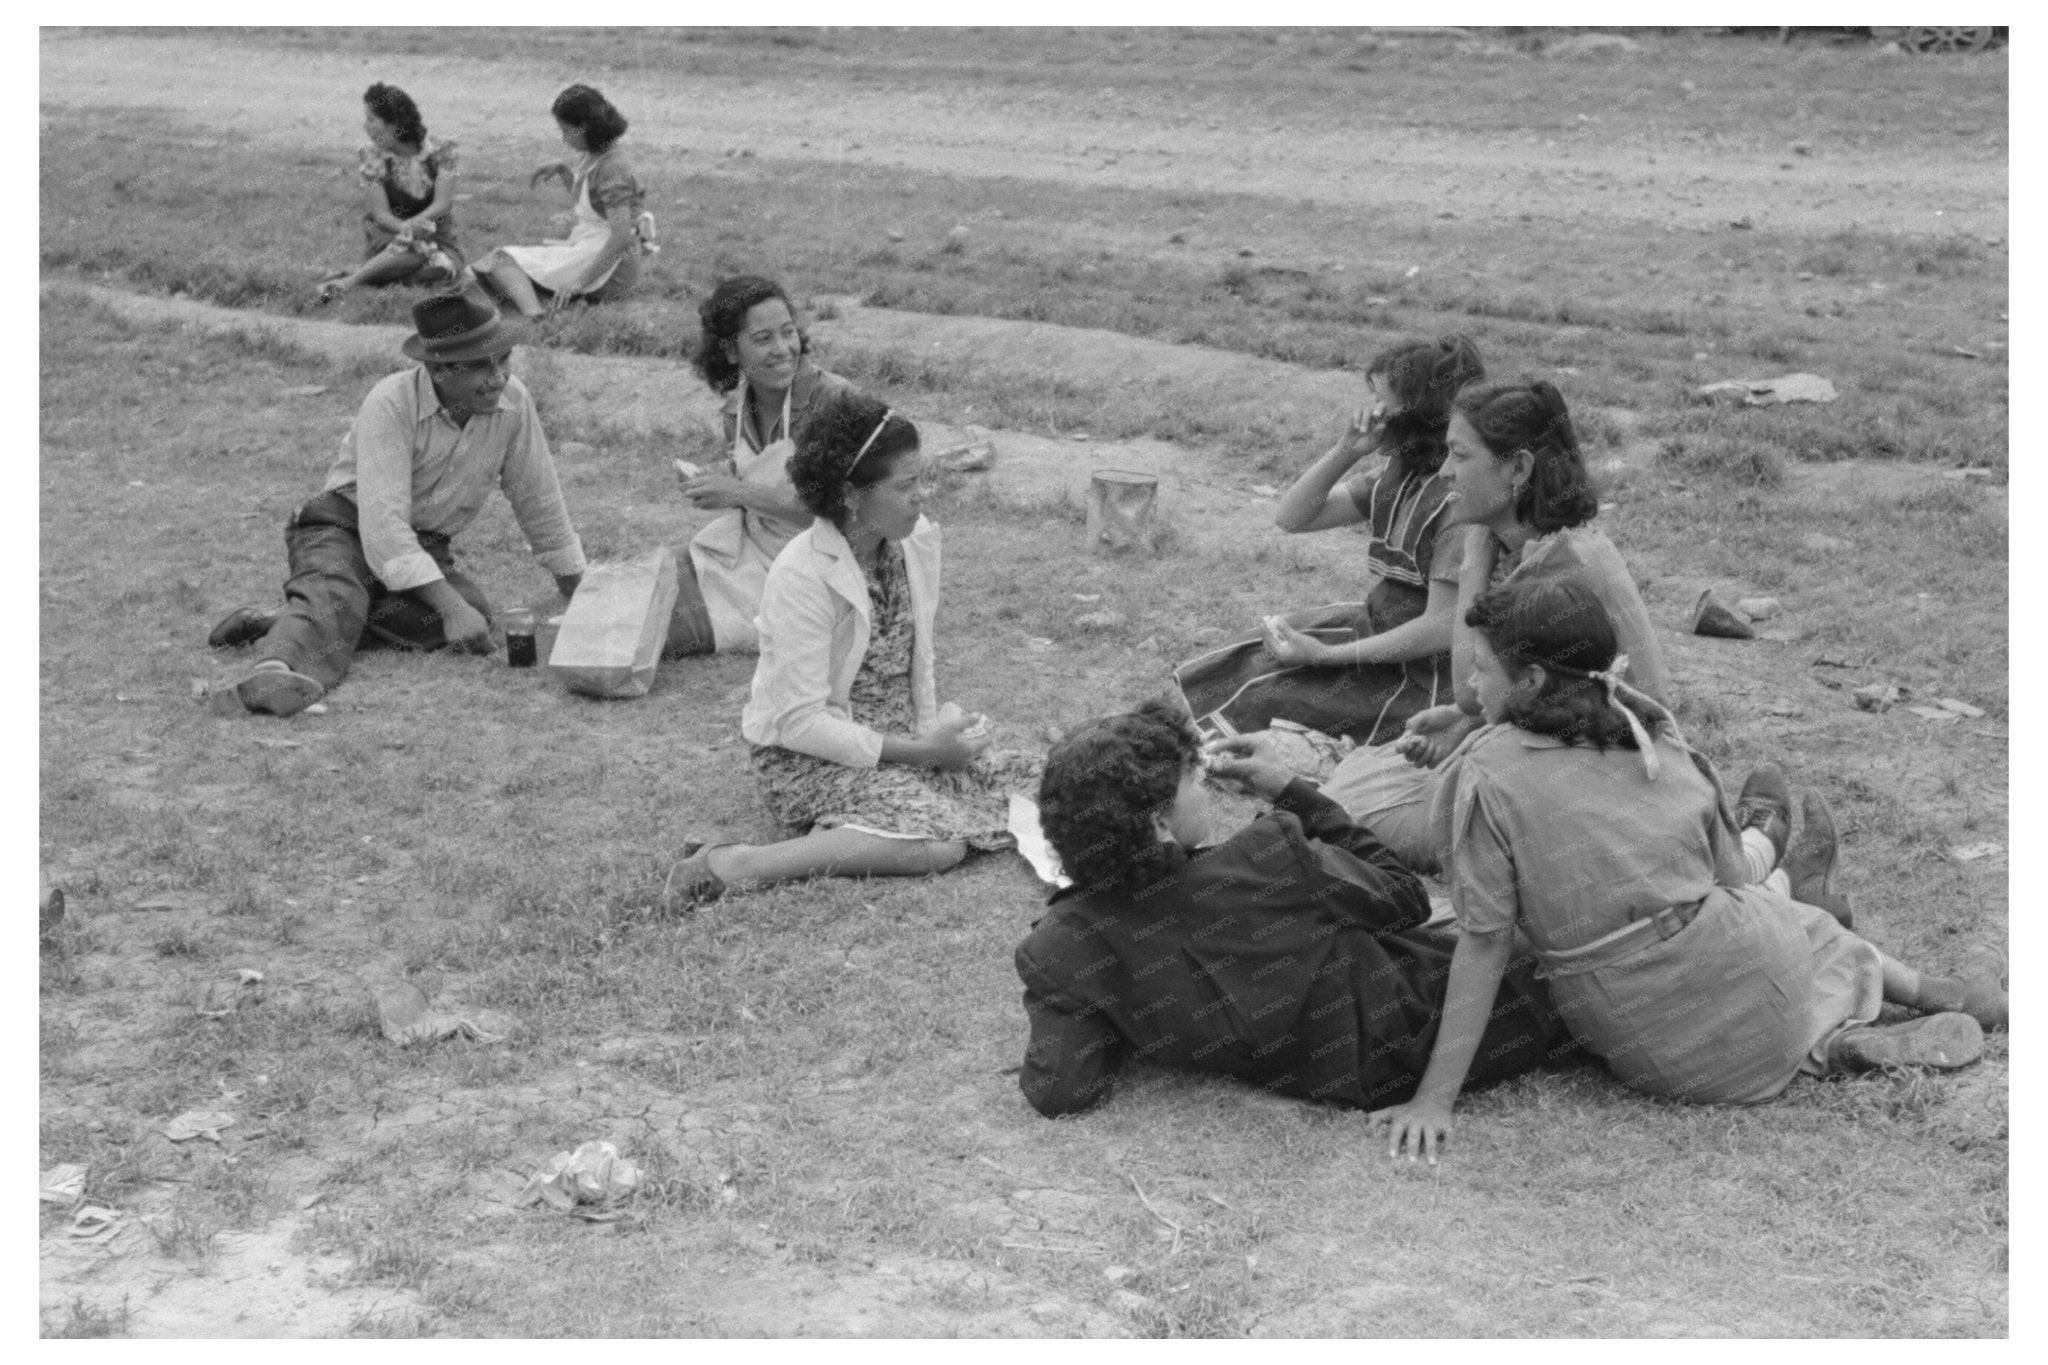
{"x": 1364, "y": 152}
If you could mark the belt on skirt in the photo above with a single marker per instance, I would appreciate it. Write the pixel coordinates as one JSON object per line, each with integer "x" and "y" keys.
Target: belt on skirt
{"x": 1642, "y": 932}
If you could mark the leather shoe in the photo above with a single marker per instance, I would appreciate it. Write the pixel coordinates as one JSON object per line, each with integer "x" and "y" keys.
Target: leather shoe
{"x": 1941, "y": 1041}
{"x": 1809, "y": 860}
{"x": 1766, "y": 804}
{"x": 244, "y": 626}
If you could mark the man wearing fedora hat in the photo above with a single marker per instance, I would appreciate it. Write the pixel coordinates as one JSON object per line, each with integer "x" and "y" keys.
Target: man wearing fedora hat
{"x": 369, "y": 556}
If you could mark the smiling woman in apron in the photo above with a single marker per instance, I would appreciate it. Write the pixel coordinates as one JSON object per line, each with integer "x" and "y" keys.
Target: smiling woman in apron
{"x": 600, "y": 258}
{"x": 753, "y": 351}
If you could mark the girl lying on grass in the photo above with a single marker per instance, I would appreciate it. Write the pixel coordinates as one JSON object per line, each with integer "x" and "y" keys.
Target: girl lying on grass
{"x": 1392, "y": 659}
{"x": 1580, "y": 817}
{"x": 1290, "y": 954}
{"x": 848, "y": 740}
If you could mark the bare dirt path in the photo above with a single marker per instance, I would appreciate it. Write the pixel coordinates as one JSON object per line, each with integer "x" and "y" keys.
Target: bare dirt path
{"x": 1137, "y": 136}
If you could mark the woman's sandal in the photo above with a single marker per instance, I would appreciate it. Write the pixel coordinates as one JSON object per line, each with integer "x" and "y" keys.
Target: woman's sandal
{"x": 691, "y": 882}
{"x": 330, "y": 290}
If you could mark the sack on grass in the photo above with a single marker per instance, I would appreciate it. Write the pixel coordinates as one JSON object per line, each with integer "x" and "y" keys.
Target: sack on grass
{"x": 611, "y": 636}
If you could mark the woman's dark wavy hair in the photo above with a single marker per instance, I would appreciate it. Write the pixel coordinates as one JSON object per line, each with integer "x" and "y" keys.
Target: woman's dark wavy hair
{"x": 723, "y": 316}
{"x": 1425, "y": 376}
{"x": 1102, "y": 784}
{"x": 396, "y": 108}
{"x": 589, "y": 112}
{"x": 1533, "y": 417}
{"x": 824, "y": 469}
{"x": 1562, "y": 628}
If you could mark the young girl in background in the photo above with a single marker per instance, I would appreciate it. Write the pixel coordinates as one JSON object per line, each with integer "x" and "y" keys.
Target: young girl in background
{"x": 1581, "y": 817}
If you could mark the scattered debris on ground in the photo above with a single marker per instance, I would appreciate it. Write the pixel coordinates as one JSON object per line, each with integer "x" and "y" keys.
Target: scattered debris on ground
{"x": 1760, "y": 393}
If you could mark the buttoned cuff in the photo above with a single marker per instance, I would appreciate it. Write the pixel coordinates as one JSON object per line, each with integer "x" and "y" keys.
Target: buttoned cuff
{"x": 413, "y": 570}
{"x": 563, "y": 562}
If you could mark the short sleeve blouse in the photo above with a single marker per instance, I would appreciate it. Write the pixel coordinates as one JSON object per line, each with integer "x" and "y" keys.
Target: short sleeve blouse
{"x": 411, "y": 178}
{"x": 612, "y": 185}
{"x": 1410, "y": 540}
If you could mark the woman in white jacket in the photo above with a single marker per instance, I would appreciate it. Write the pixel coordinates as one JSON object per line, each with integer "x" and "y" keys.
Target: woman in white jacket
{"x": 847, "y": 736}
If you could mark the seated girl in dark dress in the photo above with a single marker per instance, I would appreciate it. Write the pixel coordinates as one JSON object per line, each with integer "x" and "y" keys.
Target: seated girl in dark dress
{"x": 1291, "y": 954}
{"x": 408, "y": 186}
{"x": 1348, "y": 670}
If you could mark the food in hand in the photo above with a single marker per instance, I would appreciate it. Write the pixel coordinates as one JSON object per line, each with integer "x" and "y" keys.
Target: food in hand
{"x": 688, "y": 470}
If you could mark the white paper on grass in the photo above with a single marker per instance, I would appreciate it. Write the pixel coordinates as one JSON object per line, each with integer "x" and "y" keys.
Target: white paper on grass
{"x": 1032, "y": 843}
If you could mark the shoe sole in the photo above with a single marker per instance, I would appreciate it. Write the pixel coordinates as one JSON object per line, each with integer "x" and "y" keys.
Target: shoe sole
{"x": 1939, "y": 1042}
{"x": 242, "y": 626}
{"x": 278, "y": 691}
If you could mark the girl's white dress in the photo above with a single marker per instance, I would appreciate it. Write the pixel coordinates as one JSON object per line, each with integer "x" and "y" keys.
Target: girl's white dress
{"x": 562, "y": 263}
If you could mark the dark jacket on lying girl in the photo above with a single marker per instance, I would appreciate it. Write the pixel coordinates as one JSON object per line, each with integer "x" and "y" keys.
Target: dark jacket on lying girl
{"x": 1291, "y": 955}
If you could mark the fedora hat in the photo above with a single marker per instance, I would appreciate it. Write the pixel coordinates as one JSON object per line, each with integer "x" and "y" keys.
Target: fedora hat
{"x": 454, "y": 327}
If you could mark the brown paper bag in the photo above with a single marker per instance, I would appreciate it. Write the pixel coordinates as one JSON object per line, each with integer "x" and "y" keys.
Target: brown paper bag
{"x": 611, "y": 636}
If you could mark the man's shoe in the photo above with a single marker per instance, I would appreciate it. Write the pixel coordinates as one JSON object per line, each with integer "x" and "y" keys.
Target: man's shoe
{"x": 1984, "y": 987}
{"x": 1809, "y": 860}
{"x": 244, "y": 626}
{"x": 1766, "y": 805}
{"x": 275, "y": 689}
{"x": 1940, "y": 1041}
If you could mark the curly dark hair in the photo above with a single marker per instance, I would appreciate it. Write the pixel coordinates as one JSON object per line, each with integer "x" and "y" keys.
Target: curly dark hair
{"x": 590, "y": 113}
{"x": 1562, "y": 628}
{"x": 721, "y": 319}
{"x": 396, "y": 108}
{"x": 825, "y": 464}
{"x": 1532, "y": 416}
{"x": 1102, "y": 784}
{"x": 1424, "y": 376}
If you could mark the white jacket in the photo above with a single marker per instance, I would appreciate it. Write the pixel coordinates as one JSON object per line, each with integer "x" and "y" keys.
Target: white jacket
{"x": 814, "y": 624}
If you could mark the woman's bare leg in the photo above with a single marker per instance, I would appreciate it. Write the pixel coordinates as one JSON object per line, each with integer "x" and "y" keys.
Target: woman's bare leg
{"x": 506, "y": 278}
{"x": 1982, "y": 999}
{"x": 834, "y": 853}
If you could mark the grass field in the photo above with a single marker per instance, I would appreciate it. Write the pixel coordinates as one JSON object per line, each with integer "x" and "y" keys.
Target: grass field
{"x": 818, "y": 1079}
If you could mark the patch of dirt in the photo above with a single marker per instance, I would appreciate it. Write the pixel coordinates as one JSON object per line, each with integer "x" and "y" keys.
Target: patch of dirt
{"x": 255, "y": 1284}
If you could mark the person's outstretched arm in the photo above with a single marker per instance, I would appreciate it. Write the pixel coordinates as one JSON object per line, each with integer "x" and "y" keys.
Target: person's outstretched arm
{"x": 1386, "y": 895}
{"x": 1421, "y": 1126}
{"x": 1072, "y": 1059}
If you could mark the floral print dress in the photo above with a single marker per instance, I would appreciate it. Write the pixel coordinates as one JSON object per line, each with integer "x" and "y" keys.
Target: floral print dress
{"x": 894, "y": 799}
{"x": 409, "y": 183}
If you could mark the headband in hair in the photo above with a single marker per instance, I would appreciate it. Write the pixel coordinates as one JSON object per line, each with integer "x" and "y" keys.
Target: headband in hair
{"x": 887, "y": 413}
{"x": 1614, "y": 684}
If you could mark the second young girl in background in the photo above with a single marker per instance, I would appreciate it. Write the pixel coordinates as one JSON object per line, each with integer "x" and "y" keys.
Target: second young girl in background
{"x": 1361, "y": 673}
{"x": 600, "y": 258}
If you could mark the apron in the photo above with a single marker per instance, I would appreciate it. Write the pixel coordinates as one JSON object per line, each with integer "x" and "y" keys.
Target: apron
{"x": 559, "y": 262}
{"x": 731, "y": 555}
